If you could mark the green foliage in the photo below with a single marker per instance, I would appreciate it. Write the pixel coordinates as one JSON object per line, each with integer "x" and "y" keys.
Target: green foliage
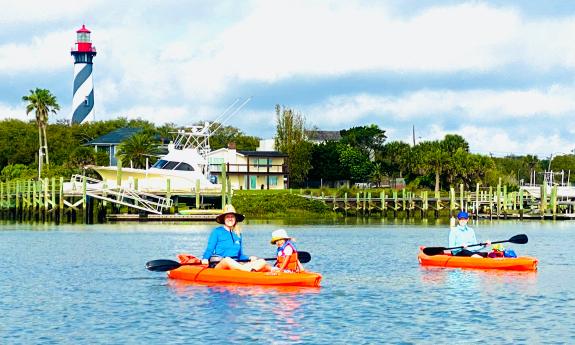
{"x": 18, "y": 142}
{"x": 17, "y": 171}
{"x": 325, "y": 162}
{"x": 565, "y": 163}
{"x": 136, "y": 149}
{"x": 368, "y": 139}
{"x": 82, "y": 156}
{"x": 356, "y": 162}
{"x": 395, "y": 158}
{"x": 277, "y": 203}
{"x": 290, "y": 139}
{"x": 301, "y": 163}
{"x": 42, "y": 102}
{"x": 224, "y": 135}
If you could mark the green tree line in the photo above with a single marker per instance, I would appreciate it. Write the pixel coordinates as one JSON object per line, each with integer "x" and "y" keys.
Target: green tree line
{"x": 362, "y": 155}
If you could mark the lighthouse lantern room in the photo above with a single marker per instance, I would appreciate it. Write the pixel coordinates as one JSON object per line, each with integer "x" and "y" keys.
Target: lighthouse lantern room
{"x": 83, "y": 99}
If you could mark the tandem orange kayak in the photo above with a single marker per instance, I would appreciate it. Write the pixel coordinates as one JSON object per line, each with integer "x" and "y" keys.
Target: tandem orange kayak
{"x": 201, "y": 273}
{"x": 522, "y": 263}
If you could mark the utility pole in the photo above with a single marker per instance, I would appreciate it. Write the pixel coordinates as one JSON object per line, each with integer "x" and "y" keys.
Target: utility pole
{"x": 413, "y": 132}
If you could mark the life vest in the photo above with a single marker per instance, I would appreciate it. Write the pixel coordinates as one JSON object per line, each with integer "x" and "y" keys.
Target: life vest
{"x": 292, "y": 264}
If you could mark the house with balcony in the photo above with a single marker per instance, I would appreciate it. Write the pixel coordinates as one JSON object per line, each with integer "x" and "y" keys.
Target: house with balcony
{"x": 249, "y": 169}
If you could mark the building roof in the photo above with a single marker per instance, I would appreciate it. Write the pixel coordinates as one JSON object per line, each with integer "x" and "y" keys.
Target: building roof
{"x": 323, "y": 135}
{"x": 263, "y": 153}
{"x": 115, "y": 137}
{"x": 83, "y": 29}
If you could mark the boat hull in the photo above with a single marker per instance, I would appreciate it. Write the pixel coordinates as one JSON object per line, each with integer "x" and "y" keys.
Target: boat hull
{"x": 203, "y": 274}
{"x": 524, "y": 263}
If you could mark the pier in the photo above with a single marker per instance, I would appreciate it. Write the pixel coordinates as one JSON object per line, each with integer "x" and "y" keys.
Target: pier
{"x": 483, "y": 202}
{"x": 86, "y": 200}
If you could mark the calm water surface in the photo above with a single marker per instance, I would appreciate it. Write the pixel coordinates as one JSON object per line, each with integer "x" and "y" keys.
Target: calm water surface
{"x": 77, "y": 284}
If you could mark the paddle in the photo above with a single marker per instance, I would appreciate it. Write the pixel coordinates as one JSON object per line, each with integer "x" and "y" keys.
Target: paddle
{"x": 164, "y": 265}
{"x": 518, "y": 239}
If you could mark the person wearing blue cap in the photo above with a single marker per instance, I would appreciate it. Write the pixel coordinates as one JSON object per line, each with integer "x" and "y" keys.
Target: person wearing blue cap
{"x": 463, "y": 236}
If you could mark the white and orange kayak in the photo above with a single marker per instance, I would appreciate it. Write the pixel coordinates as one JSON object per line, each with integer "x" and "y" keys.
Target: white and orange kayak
{"x": 201, "y": 273}
{"x": 522, "y": 263}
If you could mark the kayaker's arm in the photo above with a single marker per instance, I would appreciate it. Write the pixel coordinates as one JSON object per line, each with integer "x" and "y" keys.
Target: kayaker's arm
{"x": 212, "y": 241}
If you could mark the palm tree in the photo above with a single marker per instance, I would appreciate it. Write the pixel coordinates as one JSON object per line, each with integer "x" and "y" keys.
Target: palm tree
{"x": 137, "y": 148}
{"x": 43, "y": 103}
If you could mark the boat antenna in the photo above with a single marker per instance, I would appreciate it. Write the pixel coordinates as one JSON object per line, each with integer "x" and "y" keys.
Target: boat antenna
{"x": 238, "y": 108}
{"x": 227, "y": 109}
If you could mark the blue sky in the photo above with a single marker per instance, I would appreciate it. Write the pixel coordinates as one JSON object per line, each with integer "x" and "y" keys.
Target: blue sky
{"x": 499, "y": 73}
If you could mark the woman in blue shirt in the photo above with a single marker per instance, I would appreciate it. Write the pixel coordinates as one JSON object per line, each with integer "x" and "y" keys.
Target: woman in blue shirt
{"x": 225, "y": 242}
{"x": 462, "y": 236}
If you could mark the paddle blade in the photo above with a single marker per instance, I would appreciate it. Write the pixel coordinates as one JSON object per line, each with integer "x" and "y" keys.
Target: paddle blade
{"x": 519, "y": 239}
{"x": 433, "y": 251}
{"x": 304, "y": 257}
{"x": 162, "y": 265}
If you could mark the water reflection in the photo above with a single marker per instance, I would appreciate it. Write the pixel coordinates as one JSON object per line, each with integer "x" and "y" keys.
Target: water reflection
{"x": 485, "y": 280}
{"x": 277, "y": 309}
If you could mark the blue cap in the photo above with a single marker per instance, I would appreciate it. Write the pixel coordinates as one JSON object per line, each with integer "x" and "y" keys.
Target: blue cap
{"x": 463, "y": 215}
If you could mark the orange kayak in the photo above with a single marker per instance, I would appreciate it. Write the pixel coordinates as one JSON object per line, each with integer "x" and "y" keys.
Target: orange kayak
{"x": 522, "y": 263}
{"x": 201, "y": 273}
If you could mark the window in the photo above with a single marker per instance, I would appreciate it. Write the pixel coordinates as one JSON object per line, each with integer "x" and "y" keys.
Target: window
{"x": 159, "y": 164}
{"x": 273, "y": 180}
{"x": 170, "y": 165}
{"x": 184, "y": 167}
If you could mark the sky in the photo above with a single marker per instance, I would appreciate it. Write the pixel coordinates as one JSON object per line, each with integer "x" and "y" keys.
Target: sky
{"x": 499, "y": 73}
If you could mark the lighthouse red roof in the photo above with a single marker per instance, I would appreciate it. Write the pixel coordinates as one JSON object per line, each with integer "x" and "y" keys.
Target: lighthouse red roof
{"x": 83, "y": 29}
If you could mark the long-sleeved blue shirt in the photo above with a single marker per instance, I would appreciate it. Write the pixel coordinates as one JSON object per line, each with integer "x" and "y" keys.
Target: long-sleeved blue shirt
{"x": 224, "y": 243}
{"x": 462, "y": 235}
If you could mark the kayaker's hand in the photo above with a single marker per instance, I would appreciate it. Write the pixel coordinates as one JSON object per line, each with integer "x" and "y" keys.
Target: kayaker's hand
{"x": 488, "y": 243}
{"x": 253, "y": 258}
{"x": 205, "y": 261}
{"x": 464, "y": 245}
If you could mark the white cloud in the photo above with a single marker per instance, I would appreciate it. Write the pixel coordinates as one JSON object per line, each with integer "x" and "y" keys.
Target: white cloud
{"x": 14, "y": 112}
{"x": 479, "y": 105}
{"x": 42, "y": 54}
{"x": 33, "y": 11}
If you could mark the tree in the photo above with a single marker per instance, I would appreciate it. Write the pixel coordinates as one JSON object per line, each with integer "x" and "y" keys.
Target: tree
{"x": 325, "y": 162}
{"x": 290, "y": 139}
{"x": 302, "y": 155}
{"x": 356, "y": 162}
{"x": 395, "y": 157}
{"x": 43, "y": 103}
{"x": 369, "y": 139}
{"x": 453, "y": 142}
{"x": 137, "y": 148}
{"x": 224, "y": 135}
{"x": 431, "y": 158}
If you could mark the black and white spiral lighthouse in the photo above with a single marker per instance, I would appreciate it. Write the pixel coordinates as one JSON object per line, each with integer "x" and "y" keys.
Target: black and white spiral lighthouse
{"x": 83, "y": 100}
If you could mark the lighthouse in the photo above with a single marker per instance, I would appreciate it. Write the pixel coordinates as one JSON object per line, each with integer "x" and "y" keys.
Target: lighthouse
{"x": 83, "y": 100}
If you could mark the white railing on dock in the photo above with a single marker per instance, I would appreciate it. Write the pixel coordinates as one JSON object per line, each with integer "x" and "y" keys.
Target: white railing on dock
{"x": 121, "y": 195}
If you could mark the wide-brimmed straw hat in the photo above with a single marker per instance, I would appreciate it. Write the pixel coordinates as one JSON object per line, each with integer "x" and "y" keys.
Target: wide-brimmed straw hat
{"x": 279, "y": 234}
{"x": 229, "y": 209}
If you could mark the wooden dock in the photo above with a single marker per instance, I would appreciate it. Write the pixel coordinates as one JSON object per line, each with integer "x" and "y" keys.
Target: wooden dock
{"x": 46, "y": 201}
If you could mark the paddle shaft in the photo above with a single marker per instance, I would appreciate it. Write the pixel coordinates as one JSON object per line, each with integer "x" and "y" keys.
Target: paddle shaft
{"x": 519, "y": 239}
{"x": 163, "y": 265}
{"x": 476, "y": 244}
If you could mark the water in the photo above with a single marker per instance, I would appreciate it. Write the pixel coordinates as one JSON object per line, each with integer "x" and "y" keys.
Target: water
{"x": 76, "y": 284}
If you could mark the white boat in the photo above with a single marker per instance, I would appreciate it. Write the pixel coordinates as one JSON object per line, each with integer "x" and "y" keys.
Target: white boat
{"x": 551, "y": 179}
{"x": 183, "y": 169}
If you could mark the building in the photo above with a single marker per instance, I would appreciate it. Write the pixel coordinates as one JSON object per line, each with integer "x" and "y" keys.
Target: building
{"x": 109, "y": 142}
{"x": 318, "y": 137}
{"x": 250, "y": 169}
{"x": 83, "y": 94}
